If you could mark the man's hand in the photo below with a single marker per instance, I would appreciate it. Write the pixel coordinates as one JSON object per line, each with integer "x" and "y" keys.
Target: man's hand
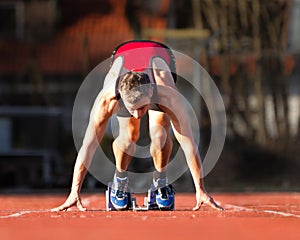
{"x": 202, "y": 198}
{"x": 73, "y": 200}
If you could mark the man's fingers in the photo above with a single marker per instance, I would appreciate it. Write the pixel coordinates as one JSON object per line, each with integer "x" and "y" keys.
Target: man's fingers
{"x": 67, "y": 205}
{"x": 214, "y": 205}
{"x": 54, "y": 210}
{"x": 198, "y": 206}
{"x": 60, "y": 208}
{"x": 211, "y": 202}
{"x": 80, "y": 206}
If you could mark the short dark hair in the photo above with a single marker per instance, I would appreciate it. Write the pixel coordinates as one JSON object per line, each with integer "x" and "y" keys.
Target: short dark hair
{"x": 131, "y": 86}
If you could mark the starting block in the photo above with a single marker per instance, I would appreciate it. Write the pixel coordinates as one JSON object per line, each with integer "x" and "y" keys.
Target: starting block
{"x": 149, "y": 201}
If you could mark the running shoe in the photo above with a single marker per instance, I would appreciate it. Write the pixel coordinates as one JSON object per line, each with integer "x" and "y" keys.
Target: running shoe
{"x": 119, "y": 196}
{"x": 164, "y": 194}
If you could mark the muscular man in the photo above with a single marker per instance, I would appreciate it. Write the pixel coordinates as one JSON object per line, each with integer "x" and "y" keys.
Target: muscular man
{"x": 141, "y": 80}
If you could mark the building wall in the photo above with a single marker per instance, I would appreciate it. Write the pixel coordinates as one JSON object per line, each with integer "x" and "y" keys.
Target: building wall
{"x": 294, "y": 35}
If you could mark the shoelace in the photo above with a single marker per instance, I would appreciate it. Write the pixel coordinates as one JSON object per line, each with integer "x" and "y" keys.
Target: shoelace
{"x": 160, "y": 182}
{"x": 120, "y": 185}
{"x": 164, "y": 192}
{"x": 120, "y": 194}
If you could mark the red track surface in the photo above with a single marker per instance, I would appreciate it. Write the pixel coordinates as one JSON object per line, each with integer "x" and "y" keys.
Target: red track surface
{"x": 247, "y": 216}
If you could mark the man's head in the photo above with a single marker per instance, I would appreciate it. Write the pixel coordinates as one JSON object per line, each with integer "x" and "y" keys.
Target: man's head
{"x": 134, "y": 86}
{"x": 136, "y": 92}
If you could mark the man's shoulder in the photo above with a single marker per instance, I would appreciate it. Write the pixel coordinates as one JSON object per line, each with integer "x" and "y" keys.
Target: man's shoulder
{"x": 167, "y": 94}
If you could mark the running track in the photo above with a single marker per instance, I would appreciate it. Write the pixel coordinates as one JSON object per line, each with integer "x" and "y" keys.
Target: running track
{"x": 247, "y": 216}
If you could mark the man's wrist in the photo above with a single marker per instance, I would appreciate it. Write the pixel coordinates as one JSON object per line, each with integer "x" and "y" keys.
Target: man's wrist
{"x": 200, "y": 188}
{"x": 75, "y": 189}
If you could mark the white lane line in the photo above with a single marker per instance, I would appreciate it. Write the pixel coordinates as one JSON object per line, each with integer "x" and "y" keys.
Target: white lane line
{"x": 86, "y": 202}
{"x": 282, "y": 213}
{"x": 18, "y": 214}
{"x": 240, "y": 208}
{"x": 21, "y": 213}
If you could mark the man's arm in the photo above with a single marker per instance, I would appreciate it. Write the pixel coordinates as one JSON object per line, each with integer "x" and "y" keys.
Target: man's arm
{"x": 176, "y": 109}
{"x": 194, "y": 162}
{"x": 82, "y": 163}
{"x": 104, "y": 106}
{"x": 101, "y": 112}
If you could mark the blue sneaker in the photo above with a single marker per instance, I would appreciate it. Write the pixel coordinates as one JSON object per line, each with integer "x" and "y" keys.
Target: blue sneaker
{"x": 119, "y": 195}
{"x": 164, "y": 194}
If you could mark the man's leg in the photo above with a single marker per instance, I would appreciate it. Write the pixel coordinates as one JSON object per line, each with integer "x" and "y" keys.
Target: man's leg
{"x": 159, "y": 122}
{"x": 123, "y": 148}
{"x": 161, "y": 148}
{"x": 161, "y": 142}
{"x": 124, "y": 144}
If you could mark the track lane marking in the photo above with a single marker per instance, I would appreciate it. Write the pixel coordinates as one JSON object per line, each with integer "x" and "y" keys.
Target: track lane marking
{"x": 86, "y": 201}
{"x": 241, "y": 208}
{"x": 21, "y": 213}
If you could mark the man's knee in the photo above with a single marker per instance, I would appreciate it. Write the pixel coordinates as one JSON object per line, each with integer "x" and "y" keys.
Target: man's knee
{"x": 132, "y": 136}
{"x": 159, "y": 137}
{"x": 126, "y": 141}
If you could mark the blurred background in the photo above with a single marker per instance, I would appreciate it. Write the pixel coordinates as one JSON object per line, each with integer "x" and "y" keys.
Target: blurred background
{"x": 249, "y": 47}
